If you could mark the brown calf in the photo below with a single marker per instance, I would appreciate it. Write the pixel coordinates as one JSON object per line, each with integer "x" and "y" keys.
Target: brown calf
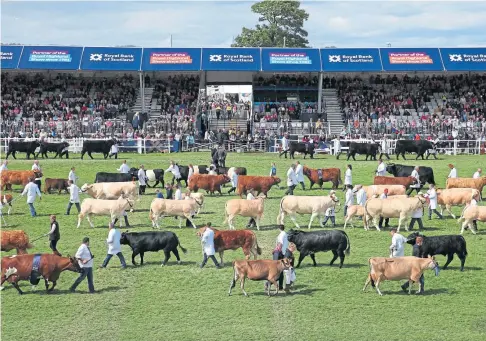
{"x": 59, "y": 184}
{"x": 328, "y": 175}
{"x": 260, "y": 184}
{"x": 210, "y": 183}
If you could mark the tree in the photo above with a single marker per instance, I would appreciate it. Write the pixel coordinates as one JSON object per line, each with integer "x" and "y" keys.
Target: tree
{"x": 279, "y": 20}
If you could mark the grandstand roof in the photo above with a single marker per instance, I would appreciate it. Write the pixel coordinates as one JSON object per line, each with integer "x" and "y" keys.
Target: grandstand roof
{"x": 243, "y": 59}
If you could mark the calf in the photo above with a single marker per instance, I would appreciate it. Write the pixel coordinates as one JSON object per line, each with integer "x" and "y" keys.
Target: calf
{"x": 309, "y": 243}
{"x": 399, "y": 268}
{"x": 258, "y": 270}
{"x": 7, "y": 199}
{"x": 353, "y": 210}
{"x": 141, "y": 242}
{"x": 327, "y": 175}
{"x": 259, "y": 184}
{"x": 15, "y": 239}
{"x": 244, "y": 208}
{"x": 441, "y": 245}
{"x": 210, "y": 183}
{"x": 58, "y": 184}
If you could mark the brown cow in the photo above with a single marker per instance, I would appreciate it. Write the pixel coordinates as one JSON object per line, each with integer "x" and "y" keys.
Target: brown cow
{"x": 13, "y": 177}
{"x": 233, "y": 240}
{"x": 7, "y": 199}
{"x": 59, "y": 184}
{"x": 406, "y": 181}
{"x": 15, "y": 239}
{"x": 258, "y": 270}
{"x": 17, "y": 268}
{"x": 328, "y": 175}
{"x": 260, "y": 184}
{"x": 210, "y": 183}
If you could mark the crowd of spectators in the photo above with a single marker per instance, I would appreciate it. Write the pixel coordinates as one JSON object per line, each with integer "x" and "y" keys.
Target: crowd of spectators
{"x": 286, "y": 81}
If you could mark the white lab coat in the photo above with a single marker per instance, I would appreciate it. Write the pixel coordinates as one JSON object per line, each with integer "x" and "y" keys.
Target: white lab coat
{"x": 381, "y": 170}
{"x": 432, "y": 195}
{"x": 282, "y": 239}
{"x": 113, "y": 241}
{"x": 348, "y": 177}
{"x": 141, "y": 178}
{"x": 337, "y": 146}
{"x": 383, "y": 147}
{"x": 418, "y": 213}
{"x": 250, "y": 196}
{"x": 212, "y": 172}
{"x": 174, "y": 169}
{"x": 74, "y": 194}
{"x": 361, "y": 197}
{"x": 36, "y": 168}
{"x": 190, "y": 173}
{"x": 72, "y": 176}
{"x": 397, "y": 247}
{"x": 207, "y": 241}
{"x": 124, "y": 169}
{"x": 331, "y": 212}
{"x": 31, "y": 189}
{"x": 453, "y": 173}
{"x": 3, "y": 167}
{"x": 285, "y": 143}
{"x": 291, "y": 178}
{"x": 415, "y": 175}
{"x": 114, "y": 149}
{"x": 234, "y": 180}
{"x": 299, "y": 171}
{"x": 476, "y": 175}
{"x": 84, "y": 254}
{"x": 178, "y": 194}
{"x": 349, "y": 198}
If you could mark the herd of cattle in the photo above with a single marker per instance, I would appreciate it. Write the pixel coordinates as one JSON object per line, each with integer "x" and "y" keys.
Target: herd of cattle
{"x": 114, "y": 194}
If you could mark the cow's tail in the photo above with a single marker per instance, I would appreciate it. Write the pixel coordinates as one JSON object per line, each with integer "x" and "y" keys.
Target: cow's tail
{"x": 464, "y": 243}
{"x": 255, "y": 245}
{"x": 348, "y": 249}
{"x": 184, "y": 250}
{"x": 371, "y": 277}
{"x": 151, "y": 215}
{"x": 461, "y": 218}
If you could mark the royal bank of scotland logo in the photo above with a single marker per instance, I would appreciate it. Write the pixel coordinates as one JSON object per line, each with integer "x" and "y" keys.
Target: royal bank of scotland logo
{"x": 95, "y": 57}
{"x": 215, "y": 58}
{"x": 335, "y": 58}
{"x": 455, "y": 58}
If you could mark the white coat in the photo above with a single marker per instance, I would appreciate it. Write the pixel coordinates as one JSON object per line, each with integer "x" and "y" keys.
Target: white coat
{"x": 72, "y": 176}
{"x": 31, "y": 189}
{"x": 113, "y": 241}
{"x": 331, "y": 212}
{"x": 282, "y": 238}
{"x": 418, "y": 213}
{"x": 250, "y": 196}
{"x": 299, "y": 171}
{"x": 361, "y": 197}
{"x": 178, "y": 194}
{"x": 190, "y": 173}
{"x": 114, "y": 149}
{"x": 291, "y": 178}
{"x": 36, "y": 168}
{"x": 337, "y": 146}
{"x": 453, "y": 173}
{"x": 84, "y": 253}
{"x": 174, "y": 169}
{"x": 207, "y": 241}
{"x": 381, "y": 170}
{"x": 432, "y": 194}
{"x": 348, "y": 177}
{"x": 349, "y": 198}
{"x": 476, "y": 175}
{"x": 415, "y": 175}
{"x": 2, "y": 168}
{"x": 124, "y": 169}
{"x": 397, "y": 248}
{"x": 74, "y": 194}
{"x": 141, "y": 178}
{"x": 234, "y": 180}
{"x": 285, "y": 143}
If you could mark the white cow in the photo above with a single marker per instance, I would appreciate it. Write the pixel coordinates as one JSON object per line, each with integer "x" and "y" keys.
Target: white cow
{"x": 173, "y": 208}
{"x": 314, "y": 205}
{"x": 111, "y": 190}
{"x": 113, "y": 208}
{"x": 471, "y": 213}
{"x": 245, "y": 208}
{"x": 455, "y": 197}
{"x": 379, "y": 190}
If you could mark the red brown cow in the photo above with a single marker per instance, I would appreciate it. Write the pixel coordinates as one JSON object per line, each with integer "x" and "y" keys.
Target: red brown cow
{"x": 13, "y": 177}
{"x": 210, "y": 183}
{"x": 406, "y": 181}
{"x": 15, "y": 239}
{"x": 260, "y": 184}
{"x": 19, "y": 268}
{"x": 258, "y": 270}
{"x": 328, "y": 175}
{"x": 233, "y": 240}
{"x": 7, "y": 199}
{"x": 59, "y": 184}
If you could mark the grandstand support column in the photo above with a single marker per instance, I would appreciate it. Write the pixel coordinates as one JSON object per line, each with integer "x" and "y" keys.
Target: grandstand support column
{"x": 142, "y": 90}
{"x": 319, "y": 94}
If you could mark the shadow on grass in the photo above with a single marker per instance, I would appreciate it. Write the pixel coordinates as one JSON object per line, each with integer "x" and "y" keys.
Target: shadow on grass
{"x": 458, "y": 268}
{"x": 171, "y": 262}
{"x": 437, "y": 291}
{"x": 326, "y": 265}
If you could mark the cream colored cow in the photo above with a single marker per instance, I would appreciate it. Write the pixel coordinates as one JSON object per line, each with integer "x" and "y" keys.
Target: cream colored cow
{"x": 111, "y": 190}
{"x": 245, "y": 208}
{"x": 471, "y": 213}
{"x": 455, "y": 197}
{"x": 114, "y": 208}
{"x": 379, "y": 190}
{"x": 173, "y": 208}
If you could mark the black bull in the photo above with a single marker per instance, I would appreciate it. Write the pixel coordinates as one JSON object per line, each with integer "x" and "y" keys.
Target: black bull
{"x": 368, "y": 149}
{"x": 97, "y": 146}
{"x": 27, "y": 147}
{"x": 303, "y": 148}
{"x": 419, "y": 147}
{"x": 115, "y": 177}
{"x": 184, "y": 171}
{"x": 426, "y": 174}
{"x": 57, "y": 148}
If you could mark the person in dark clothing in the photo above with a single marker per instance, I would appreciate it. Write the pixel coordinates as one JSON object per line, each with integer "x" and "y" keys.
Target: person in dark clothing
{"x": 290, "y": 273}
{"x": 54, "y": 235}
{"x": 168, "y": 191}
{"x": 416, "y": 253}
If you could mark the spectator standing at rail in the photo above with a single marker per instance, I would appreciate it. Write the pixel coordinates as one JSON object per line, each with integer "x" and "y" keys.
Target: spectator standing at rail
{"x": 36, "y": 168}
{"x": 73, "y": 197}
{"x": 453, "y": 172}
{"x": 381, "y": 170}
{"x": 72, "y": 175}
{"x": 348, "y": 177}
{"x": 32, "y": 190}
{"x": 124, "y": 168}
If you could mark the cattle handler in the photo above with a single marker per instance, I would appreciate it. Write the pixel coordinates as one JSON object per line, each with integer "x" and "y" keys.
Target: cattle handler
{"x": 416, "y": 253}
{"x": 54, "y": 235}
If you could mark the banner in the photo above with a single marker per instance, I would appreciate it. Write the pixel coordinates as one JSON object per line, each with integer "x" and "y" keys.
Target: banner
{"x": 291, "y": 60}
{"x": 112, "y": 58}
{"x": 411, "y": 59}
{"x": 50, "y": 57}
{"x": 464, "y": 59}
{"x": 168, "y": 59}
{"x": 231, "y": 59}
{"x": 351, "y": 60}
{"x": 10, "y": 56}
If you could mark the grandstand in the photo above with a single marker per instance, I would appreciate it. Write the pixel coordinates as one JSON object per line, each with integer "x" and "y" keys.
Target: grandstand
{"x": 59, "y": 91}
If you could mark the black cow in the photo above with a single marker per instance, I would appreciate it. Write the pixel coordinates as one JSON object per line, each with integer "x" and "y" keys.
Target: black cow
{"x": 27, "y": 147}
{"x": 308, "y": 243}
{"x": 218, "y": 157}
{"x": 224, "y": 170}
{"x": 57, "y": 148}
{"x": 426, "y": 174}
{"x": 141, "y": 242}
{"x": 156, "y": 175}
{"x": 184, "y": 170}
{"x": 411, "y": 146}
{"x": 301, "y": 147}
{"x": 115, "y": 177}
{"x": 441, "y": 245}
{"x": 97, "y": 146}
{"x": 368, "y": 149}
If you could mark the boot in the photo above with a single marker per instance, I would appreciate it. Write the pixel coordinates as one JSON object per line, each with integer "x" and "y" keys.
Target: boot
{"x": 126, "y": 221}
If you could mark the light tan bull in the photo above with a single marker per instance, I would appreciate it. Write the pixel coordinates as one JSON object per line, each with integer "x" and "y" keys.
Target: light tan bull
{"x": 199, "y": 200}
{"x": 471, "y": 213}
{"x": 111, "y": 190}
{"x": 379, "y": 189}
{"x": 173, "y": 208}
{"x": 245, "y": 208}
{"x": 455, "y": 197}
{"x": 113, "y": 208}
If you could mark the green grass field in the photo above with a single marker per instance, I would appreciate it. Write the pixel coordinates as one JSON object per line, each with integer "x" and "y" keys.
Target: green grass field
{"x": 182, "y": 302}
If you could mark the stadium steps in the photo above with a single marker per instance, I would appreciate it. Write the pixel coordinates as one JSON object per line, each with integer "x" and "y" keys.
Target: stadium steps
{"x": 148, "y": 100}
{"x": 215, "y": 125}
{"x": 333, "y": 109}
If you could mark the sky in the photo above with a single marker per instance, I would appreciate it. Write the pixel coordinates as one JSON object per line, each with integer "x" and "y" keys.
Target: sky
{"x": 215, "y": 23}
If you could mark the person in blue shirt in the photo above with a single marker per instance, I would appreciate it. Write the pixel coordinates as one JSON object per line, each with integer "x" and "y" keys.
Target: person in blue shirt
{"x": 158, "y": 194}
{"x": 273, "y": 170}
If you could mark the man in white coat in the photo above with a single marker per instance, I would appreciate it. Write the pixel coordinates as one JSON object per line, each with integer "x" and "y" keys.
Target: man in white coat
{"x": 73, "y": 197}
{"x": 207, "y": 241}
{"x": 85, "y": 261}
{"x": 349, "y": 199}
{"x": 36, "y": 167}
{"x": 477, "y": 174}
{"x": 337, "y": 147}
{"x": 360, "y": 195}
{"x": 174, "y": 169}
{"x": 114, "y": 151}
{"x": 416, "y": 186}
{"x": 4, "y": 166}
{"x": 72, "y": 175}
{"x": 32, "y": 190}
{"x": 381, "y": 170}
{"x": 299, "y": 172}
{"x": 281, "y": 245}
{"x": 348, "y": 177}
{"x": 432, "y": 195}
{"x": 453, "y": 172}
{"x": 124, "y": 168}
{"x": 114, "y": 247}
{"x": 285, "y": 146}
{"x": 397, "y": 247}
{"x": 291, "y": 180}
{"x": 142, "y": 180}
{"x": 384, "y": 148}
{"x": 234, "y": 182}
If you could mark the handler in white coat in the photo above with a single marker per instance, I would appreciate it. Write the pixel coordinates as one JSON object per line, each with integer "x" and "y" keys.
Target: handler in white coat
{"x": 234, "y": 182}
{"x": 432, "y": 195}
{"x": 348, "y": 177}
{"x": 124, "y": 168}
{"x": 381, "y": 170}
{"x": 416, "y": 186}
{"x": 397, "y": 247}
{"x": 32, "y": 190}
{"x": 453, "y": 172}
{"x": 477, "y": 174}
{"x": 142, "y": 180}
{"x": 114, "y": 247}
{"x": 299, "y": 172}
{"x": 174, "y": 169}
{"x": 37, "y": 168}
{"x": 207, "y": 241}
{"x": 360, "y": 195}
{"x": 285, "y": 146}
{"x": 349, "y": 199}
{"x": 291, "y": 180}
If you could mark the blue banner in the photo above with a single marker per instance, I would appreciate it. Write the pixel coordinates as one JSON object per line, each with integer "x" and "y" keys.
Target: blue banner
{"x": 411, "y": 59}
{"x": 50, "y": 57}
{"x": 10, "y": 56}
{"x": 351, "y": 60}
{"x": 291, "y": 60}
{"x": 464, "y": 59}
{"x": 168, "y": 59}
{"x": 231, "y": 59}
{"x": 111, "y": 58}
